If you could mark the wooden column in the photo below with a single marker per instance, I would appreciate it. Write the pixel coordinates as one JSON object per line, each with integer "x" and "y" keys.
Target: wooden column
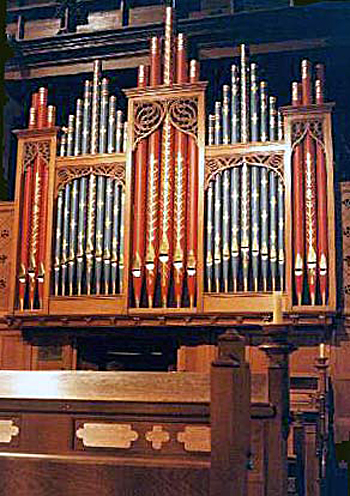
{"x": 277, "y": 349}
{"x": 230, "y": 418}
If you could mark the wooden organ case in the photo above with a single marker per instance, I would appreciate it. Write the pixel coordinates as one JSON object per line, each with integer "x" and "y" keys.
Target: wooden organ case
{"x": 167, "y": 216}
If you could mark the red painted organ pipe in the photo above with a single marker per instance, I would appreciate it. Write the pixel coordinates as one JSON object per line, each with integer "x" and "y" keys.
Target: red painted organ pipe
{"x": 152, "y": 220}
{"x": 321, "y": 179}
{"x": 139, "y": 202}
{"x": 180, "y": 182}
{"x": 192, "y": 203}
{"x": 298, "y": 206}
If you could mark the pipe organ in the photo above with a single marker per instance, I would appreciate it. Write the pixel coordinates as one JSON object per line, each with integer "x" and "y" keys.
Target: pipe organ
{"x": 167, "y": 210}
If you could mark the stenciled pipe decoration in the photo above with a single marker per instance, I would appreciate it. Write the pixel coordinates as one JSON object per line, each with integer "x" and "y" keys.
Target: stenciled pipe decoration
{"x": 98, "y": 126}
{"x": 34, "y": 204}
{"x": 310, "y": 233}
{"x": 88, "y": 241}
{"x": 165, "y": 187}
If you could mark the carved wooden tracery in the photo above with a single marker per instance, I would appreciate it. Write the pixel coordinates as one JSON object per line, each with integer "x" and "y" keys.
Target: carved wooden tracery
{"x": 148, "y": 116}
{"x": 272, "y": 161}
{"x": 67, "y": 174}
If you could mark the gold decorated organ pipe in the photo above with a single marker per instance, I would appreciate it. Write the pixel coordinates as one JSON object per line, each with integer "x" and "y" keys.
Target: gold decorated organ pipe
{"x": 58, "y": 242}
{"x": 211, "y": 130}
{"x": 73, "y": 234}
{"x": 168, "y": 66}
{"x": 119, "y": 132}
{"x": 273, "y": 118}
{"x": 33, "y": 113}
{"x": 192, "y": 203}
{"x": 226, "y": 114}
{"x": 103, "y": 119}
{"x": 321, "y": 181}
{"x": 310, "y": 215}
{"x": 65, "y": 238}
{"x": 51, "y": 116}
{"x": 100, "y": 206}
{"x": 210, "y": 239}
{"x": 121, "y": 247}
{"x": 235, "y": 218}
{"x": 273, "y": 228}
{"x": 244, "y": 94}
{"x": 140, "y": 174}
{"x": 78, "y": 126}
{"x": 90, "y": 232}
{"x": 298, "y": 208}
{"x": 107, "y": 239}
{"x": 217, "y": 232}
{"x": 166, "y": 207}
{"x": 70, "y": 135}
{"x": 81, "y": 232}
{"x": 95, "y": 107}
{"x": 111, "y": 124}
{"x": 254, "y": 103}
{"x": 35, "y": 231}
{"x": 218, "y": 132}
{"x": 255, "y": 216}
{"x": 63, "y": 143}
{"x": 180, "y": 183}
{"x": 42, "y": 108}
{"x": 25, "y": 234}
{"x": 115, "y": 236}
{"x": 235, "y": 104}
{"x": 152, "y": 223}
{"x": 226, "y": 228}
{"x": 279, "y": 126}
{"x": 125, "y": 136}
{"x": 281, "y": 258}
{"x": 86, "y": 119}
{"x": 263, "y": 111}
{"x": 306, "y": 82}
{"x": 264, "y": 226}
{"x": 245, "y": 223}
{"x": 44, "y": 178}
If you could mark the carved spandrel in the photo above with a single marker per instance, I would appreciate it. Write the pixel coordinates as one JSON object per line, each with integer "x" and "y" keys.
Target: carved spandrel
{"x": 272, "y": 161}
{"x": 302, "y": 127}
{"x": 67, "y": 174}
{"x": 148, "y": 116}
{"x": 33, "y": 149}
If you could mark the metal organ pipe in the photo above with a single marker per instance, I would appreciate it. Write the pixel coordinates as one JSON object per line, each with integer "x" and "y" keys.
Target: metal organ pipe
{"x": 192, "y": 203}
{"x": 152, "y": 219}
{"x": 180, "y": 191}
{"x": 139, "y": 199}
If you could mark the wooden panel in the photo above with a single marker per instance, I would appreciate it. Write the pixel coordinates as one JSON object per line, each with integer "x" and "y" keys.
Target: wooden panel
{"x": 345, "y": 213}
{"x": 107, "y": 386}
{"x": 146, "y": 15}
{"x": 196, "y": 358}
{"x": 6, "y": 229}
{"x": 41, "y": 28}
{"x": 15, "y": 352}
{"x": 101, "y": 21}
{"x": 303, "y": 360}
{"x": 87, "y": 305}
{"x": 44, "y": 476}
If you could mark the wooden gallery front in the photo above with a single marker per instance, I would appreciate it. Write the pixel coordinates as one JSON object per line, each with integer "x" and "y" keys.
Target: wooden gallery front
{"x": 172, "y": 316}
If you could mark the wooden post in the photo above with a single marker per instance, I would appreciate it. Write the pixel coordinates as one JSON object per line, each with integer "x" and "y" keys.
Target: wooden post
{"x": 277, "y": 348}
{"x": 230, "y": 418}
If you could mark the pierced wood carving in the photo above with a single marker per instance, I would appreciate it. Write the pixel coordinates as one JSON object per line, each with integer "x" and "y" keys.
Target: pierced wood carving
{"x": 95, "y": 435}
{"x": 196, "y": 438}
{"x": 272, "y": 161}
{"x": 67, "y": 174}
{"x": 32, "y": 149}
